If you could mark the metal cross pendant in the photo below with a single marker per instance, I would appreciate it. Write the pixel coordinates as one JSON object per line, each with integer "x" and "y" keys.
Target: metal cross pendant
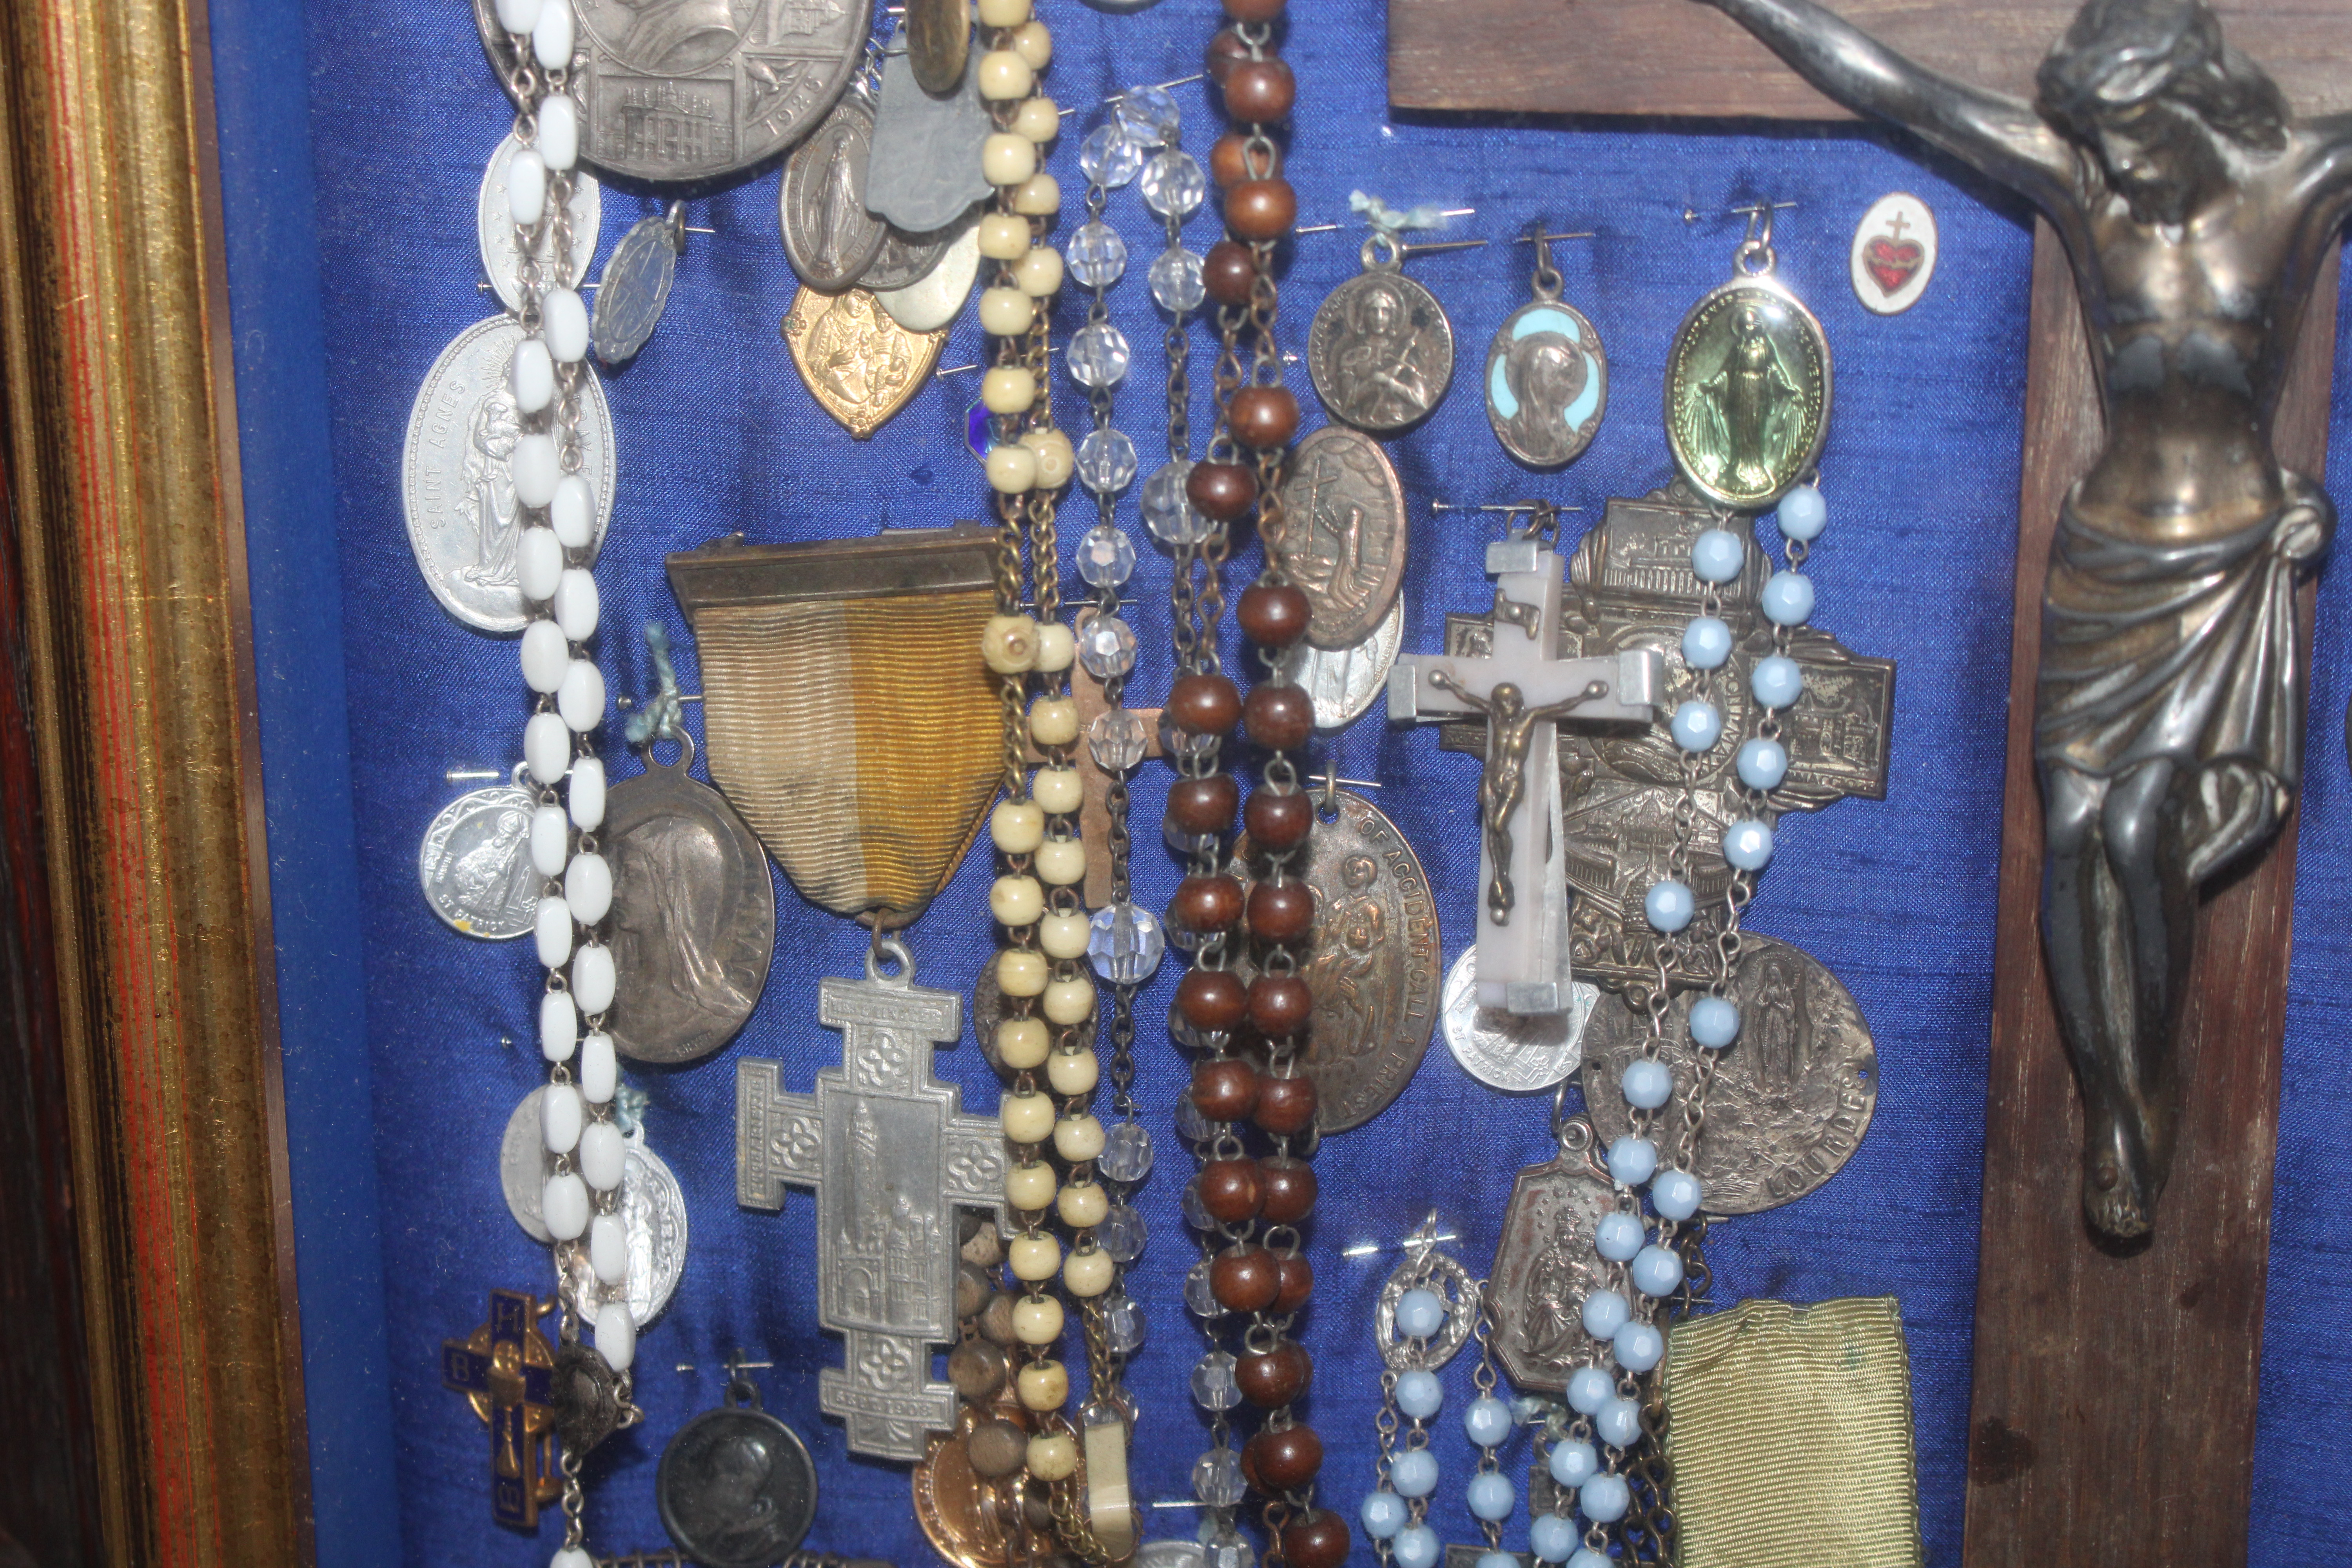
{"x": 890, "y": 1154}
{"x": 504, "y": 1368}
{"x": 1523, "y": 692}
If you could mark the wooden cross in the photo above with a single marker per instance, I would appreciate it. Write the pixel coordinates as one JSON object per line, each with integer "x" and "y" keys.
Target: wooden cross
{"x": 890, "y": 1154}
{"x": 1523, "y": 913}
{"x": 1094, "y": 816}
{"x": 2099, "y": 1378}
{"x": 504, "y": 1368}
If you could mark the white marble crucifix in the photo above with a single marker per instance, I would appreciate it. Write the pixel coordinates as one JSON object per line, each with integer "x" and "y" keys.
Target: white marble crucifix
{"x": 1524, "y": 692}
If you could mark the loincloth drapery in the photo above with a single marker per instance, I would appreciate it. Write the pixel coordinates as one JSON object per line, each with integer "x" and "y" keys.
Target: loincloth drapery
{"x": 2185, "y": 653}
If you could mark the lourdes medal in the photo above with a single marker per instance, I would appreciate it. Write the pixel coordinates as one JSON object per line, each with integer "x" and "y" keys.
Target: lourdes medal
{"x": 737, "y": 1488}
{"x": 1789, "y": 1102}
{"x": 1748, "y": 386}
{"x": 858, "y": 362}
{"x": 830, "y": 236}
{"x": 681, "y": 91}
{"x": 1381, "y": 351}
{"x": 1547, "y": 377}
{"x": 1343, "y": 537}
{"x": 694, "y": 915}
{"x": 464, "y": 521}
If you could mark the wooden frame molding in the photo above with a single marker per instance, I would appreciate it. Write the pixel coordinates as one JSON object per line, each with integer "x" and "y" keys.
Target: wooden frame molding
{"x": 122, "y": 442}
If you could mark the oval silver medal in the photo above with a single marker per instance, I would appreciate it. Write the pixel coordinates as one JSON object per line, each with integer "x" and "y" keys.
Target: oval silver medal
{"x": 634, "y": 289}
{"x": 652, "y": 1210}
{"x": 681, "y": 91}
{"x": 475, "y": 864}
{"x": 1547, "y": 384}
{"x": 502, "y": 249}
{"x": 455, "y": 491}
{"x": 1342, "y": 682}
{"x": 829, "y": 236}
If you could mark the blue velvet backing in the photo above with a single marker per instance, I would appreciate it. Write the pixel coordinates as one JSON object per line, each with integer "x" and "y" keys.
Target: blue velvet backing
{"x": 717, "y": 433}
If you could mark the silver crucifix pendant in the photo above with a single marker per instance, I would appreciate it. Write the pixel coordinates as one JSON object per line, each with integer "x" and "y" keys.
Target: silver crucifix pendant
{"x": 891, "y": 1155}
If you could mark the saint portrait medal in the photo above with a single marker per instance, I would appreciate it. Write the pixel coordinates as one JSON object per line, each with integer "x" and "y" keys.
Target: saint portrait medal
{"x": 737, "y": 1488}
{"x": 694, "y": 914}
{"x": 1748, "y": 384}
{"x": 1546, "y": 375}
{"x": 858, "y": 362}
{"x": 1381, "y": 350}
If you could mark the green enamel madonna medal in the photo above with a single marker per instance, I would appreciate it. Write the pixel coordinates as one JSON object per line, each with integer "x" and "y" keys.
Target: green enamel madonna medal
{"x": 1748, "y": 384}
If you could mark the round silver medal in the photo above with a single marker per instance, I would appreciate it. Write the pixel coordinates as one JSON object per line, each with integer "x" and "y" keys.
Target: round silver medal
{"x": 687, "y": 91}
{"x": 1513, "y": 1051}
{"x": 501, "y": 250}
{"x": 463, "y": 519}
{"x": 475, "y": 864}
{"x": 652, "y": 1210}
{"x": 1342, "y": 682}
{"x": 830, "y": 236}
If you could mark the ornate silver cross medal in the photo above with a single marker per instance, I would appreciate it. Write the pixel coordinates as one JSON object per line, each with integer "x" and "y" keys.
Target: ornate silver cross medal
{"x": 890, "y": 1154}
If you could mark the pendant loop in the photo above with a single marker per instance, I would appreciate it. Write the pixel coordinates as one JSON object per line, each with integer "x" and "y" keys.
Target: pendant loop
{"x": 1382, "y": 251}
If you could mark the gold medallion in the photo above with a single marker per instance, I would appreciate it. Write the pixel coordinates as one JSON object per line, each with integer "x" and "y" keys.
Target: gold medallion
{"x": 965, "y": 1517}
{"x": 860, "y": 366}
{"x": 938, "y": 37}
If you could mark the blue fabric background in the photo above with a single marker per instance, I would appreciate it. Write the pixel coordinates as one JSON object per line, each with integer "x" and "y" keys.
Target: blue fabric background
{"x": 716, "y": 434}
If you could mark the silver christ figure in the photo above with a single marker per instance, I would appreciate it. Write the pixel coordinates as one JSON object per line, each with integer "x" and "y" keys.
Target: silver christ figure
{"x": 2167, "y": 721}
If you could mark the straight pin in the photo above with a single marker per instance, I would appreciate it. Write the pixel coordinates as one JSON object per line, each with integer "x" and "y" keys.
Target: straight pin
{"x": 1547, "y": 239}
{"x": 461, "y": 776}
{"x": 1692, "y": 215}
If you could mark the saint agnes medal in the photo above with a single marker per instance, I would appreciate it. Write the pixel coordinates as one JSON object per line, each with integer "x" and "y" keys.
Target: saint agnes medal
{"x": 1381, "y": 350}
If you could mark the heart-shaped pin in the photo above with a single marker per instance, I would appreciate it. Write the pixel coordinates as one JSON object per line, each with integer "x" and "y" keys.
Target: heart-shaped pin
{"x": 1892, "y": 262}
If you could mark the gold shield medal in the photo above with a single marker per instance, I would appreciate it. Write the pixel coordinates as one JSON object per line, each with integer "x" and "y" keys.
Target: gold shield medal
{"x": 846, "y": 712}
{"x": 860, "y": 365}
{"x": 1748, "y": 392}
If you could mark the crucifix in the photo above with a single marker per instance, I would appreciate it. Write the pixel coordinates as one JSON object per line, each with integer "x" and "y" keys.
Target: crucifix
{"x": 891, "y": 1155}
{"x": 1523, "y": 690}
{"x": 506, "y": 1370}
{"x": 2199, "y": 198}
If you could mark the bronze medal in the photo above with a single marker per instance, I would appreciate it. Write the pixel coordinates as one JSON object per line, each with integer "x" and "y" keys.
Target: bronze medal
{"x": 1371, "y": 964}
{"x": 1544, "y": 1269}
{"x": 938, "y": 37}
{"x": 1343, "y": 534}
{"x": 1791, "y": 1096}
{"x": 829, "y": 236}
{"x": 1381, "y": 350}
{"x": 694, "y": 916}
{"x": 859, "y": 363}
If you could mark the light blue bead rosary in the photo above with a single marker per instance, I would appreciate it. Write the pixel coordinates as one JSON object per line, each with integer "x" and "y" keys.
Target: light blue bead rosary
{"x": 1622, "y": 1324}
{"x": 1419, "y": 1332}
